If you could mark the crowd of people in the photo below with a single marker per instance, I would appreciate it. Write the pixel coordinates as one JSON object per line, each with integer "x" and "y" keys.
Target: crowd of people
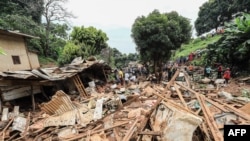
{"x": 125, "y": 76}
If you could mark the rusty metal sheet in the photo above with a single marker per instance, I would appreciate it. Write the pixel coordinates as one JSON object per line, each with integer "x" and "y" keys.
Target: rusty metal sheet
{"x": 59, "y": 104}
{"x": 66, "y": 118}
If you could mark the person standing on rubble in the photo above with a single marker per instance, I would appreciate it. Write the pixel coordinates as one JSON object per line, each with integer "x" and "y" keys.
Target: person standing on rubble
{"x": 227, "y": 75}
{"x": 190, "y": 70}
{"x": 126, "y": 77}
{"x": 170, "y": 71}
{"x": 208, "y": 71}
{"x": 121, "y": 76}
{"x": 219, "y": 70}
{"x": 117, "y": 79}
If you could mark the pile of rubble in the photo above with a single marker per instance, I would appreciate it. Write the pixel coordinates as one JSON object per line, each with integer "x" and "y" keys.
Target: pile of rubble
{"x": 171, "y": 111}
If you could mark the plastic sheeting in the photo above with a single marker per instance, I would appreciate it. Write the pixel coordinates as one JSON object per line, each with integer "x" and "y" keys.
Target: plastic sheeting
{"x": 176, "y": 124}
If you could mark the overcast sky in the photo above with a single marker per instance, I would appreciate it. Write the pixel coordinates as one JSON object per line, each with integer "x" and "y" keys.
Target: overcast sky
{"x": 115, "y": 17}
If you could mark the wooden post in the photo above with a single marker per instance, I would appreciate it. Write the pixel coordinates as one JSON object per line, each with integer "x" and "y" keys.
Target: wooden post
{"x": 104, "y": 75}
{"x": 173, "y": 78}
{"x": 207, "y": 114}
{"x": 180, "y": 96}
{"x": 0, "y": 105}
{"x": 43, "y": 93}
{"x": 32, "y": 98}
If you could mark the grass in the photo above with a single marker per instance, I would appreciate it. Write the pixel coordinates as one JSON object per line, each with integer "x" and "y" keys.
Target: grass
{"x": 47, "y": 62}
{"x": 194, "y": 45}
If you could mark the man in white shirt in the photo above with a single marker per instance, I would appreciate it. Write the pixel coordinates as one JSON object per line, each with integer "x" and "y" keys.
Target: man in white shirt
{"x": 126, "y": 77}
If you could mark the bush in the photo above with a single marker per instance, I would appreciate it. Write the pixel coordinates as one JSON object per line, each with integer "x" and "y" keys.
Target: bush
{"x": 70, "y": 51}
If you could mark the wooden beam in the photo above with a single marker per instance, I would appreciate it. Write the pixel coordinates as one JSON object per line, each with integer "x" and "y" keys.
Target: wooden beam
{"x": 216, "y": 105}
{"x": 130, "y": 131}
{"x": 180, "y": 96}
{"x": 210, "y": 121}
{"x": 234, "y": 110}
{"x": 32, "y": 99}
{"x": 207, "y": 114}
{"x": 174, "y": 104}
{"x": 11, "y": 82}
{"x": 5, "y": 128}
{"x": 104, "y": 75}
{"x": 94, "y": 132}
{"x": 173, "y": 78}
{"x": 153, "y": 133}
{"x": 187, "y": 79}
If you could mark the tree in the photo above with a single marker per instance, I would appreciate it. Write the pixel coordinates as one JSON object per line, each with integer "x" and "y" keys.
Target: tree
{"x": 207, "y": 18}
{"x": 107, "y": 55}
{"x": 215, "y": 13}
{"x": 233, "y": 48}
{"x": 90, "y": 38}
{"x": 27, "y": 8}
{"x": 53, "y": 12}
{"x": 70, "y": 51}
{"x": 157, "y": 34}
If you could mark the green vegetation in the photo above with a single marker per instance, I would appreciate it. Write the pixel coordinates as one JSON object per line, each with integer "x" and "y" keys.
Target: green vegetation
{"x": 233, "y": 48}
{"x": 46, "y": 61}
{"x": 215, "y": 13}
{"x": 158, "y": 33}
{"x": 194, "y": 45}
{"x": 2, "y": 52}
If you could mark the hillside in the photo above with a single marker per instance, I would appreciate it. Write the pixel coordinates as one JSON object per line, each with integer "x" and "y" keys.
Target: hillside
{"x": 194, "y": 45}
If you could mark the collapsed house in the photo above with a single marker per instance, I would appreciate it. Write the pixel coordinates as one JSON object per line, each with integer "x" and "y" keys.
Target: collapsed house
{"x": 72, "y": 78}
{"x": 170, "y": 111}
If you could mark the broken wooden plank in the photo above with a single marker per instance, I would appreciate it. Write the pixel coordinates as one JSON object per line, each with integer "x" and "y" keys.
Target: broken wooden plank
{"x": 173, "y": 78}
{"x": 32, "y": 98}
{"x": 175, "y": 104}
{"x": 234, "y": 110}
{"x": 94, "y": 132}
{"x": 153, "y": 133}
{"x": 145, "y": 121}
{"x": 216, "y": 105}
{"x": 18, "y": 92}
{"x": 208, "y": 117}
{"x": 180, "y": 96}
{"x": 187, "y": 79}
{"x": 205, "y": 130}
{"x": 26, "y": 126}
{"x": 6, "y": 127}
{"x": 16, "y": 111}
{"x": 116, "y": 133}
{"x": 210, "y": 121}
{"x": 5, "y": 114}
{"x": 130, "y": 131}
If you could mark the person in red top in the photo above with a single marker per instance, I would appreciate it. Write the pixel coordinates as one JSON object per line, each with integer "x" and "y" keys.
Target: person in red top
{"x": 219, "y": 71}
{"x": 191, "y": 56}
{"x": 227, "y": 75}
